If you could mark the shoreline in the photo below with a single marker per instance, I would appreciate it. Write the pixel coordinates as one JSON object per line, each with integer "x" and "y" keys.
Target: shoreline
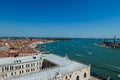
{"x": 99, "y": 77}
{"x": 108, "y": 46}
{"x": 52, "y": 40}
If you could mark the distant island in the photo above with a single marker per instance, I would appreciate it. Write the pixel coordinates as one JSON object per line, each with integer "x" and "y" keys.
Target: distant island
{"x": 110, "y": 43}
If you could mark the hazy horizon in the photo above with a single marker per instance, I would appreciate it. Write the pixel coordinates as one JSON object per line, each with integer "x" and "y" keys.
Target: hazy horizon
{"x": 58, "y": 37}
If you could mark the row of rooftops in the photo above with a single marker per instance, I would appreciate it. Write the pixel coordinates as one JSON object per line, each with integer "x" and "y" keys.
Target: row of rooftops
{"x": 12, "y": 47}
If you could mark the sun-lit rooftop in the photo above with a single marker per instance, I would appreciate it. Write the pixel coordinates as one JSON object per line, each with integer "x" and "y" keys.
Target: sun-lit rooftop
{"x": 65, "y": 65}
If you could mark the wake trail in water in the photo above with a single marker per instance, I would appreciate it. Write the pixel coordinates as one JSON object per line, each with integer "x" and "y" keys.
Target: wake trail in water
{"x": 87, "y": 46}
{"x": 90, "y": 53}
{"x": 116, "y": 67}
{"x": 80, "y": 55}
{"x": 107, "y": 69}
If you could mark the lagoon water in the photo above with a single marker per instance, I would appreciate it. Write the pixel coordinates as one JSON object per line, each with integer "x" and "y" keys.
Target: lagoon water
{"x": 104, "y": 61}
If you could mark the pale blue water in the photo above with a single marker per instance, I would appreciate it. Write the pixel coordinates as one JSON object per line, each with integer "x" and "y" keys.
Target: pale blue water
{"x": 104, "y": 61}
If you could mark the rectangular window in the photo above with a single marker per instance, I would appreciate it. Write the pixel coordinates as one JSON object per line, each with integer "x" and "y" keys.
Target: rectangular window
{"x": 11, "y": 74}
{"x": 22, "y": 66}
{"x": 22, "y": 71}
{"x": 11, "y": 68}
{"x": 27, "y": 65}
{"x": 28, "y": 70}
{"x": 17, "y": 67}
{"x": 31, "y": 64}
{"x": 39, "y": 68}
{"x": 6, "y": 75}
{"x": 2, "y": 69}
{"x": 7, "y": 68}
{"x": 34, "y": 64}
{"x": 37, "y": 63}
{"x": 3, "y": 75}
{"x": 33, "y": 69}
{"x": 15, "y": 73}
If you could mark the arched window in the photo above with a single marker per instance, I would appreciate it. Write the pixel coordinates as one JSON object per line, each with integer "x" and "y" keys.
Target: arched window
{"x": 77, "y": 78}
{"x": 85, "y": 75}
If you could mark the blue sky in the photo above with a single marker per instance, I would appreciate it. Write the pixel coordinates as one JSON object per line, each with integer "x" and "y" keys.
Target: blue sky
{"x": 60, "y": 18}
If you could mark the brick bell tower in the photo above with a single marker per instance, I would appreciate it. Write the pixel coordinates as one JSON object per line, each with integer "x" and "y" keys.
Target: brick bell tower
{"x": 115, "y": 41}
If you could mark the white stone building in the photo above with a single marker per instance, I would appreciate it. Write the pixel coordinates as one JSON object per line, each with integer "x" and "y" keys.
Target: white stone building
{"x": 31, "y": 68}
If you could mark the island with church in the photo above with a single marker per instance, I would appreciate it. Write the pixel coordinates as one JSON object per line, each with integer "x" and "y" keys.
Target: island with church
{"x": 110, "y": 43}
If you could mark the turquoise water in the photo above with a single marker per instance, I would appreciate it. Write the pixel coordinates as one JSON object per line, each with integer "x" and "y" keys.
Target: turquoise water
{"x": 104, "y": 61}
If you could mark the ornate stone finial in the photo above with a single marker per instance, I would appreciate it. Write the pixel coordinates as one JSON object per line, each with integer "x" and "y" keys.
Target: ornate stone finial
{"x": 66, "y": 56}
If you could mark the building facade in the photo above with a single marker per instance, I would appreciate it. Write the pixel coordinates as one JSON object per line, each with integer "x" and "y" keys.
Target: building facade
{"x": 32, "y": 68}
{"x": 18, "y": 68}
